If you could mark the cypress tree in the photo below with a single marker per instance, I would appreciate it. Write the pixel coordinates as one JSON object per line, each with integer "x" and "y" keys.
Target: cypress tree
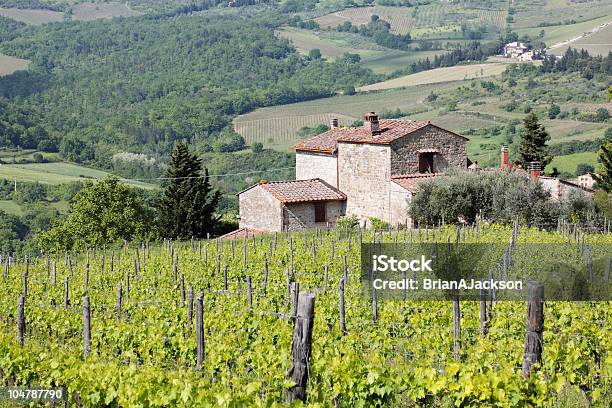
{"x": 187, "y": 207}
{"x": 533, "y": 142}
{"x": 604, "y": 176}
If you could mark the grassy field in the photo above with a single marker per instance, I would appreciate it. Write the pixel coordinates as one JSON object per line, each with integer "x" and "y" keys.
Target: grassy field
{"x": 306, "y": 40}
{"x": 94, "y": 11}
{"x": 276, "y": 127}
{"x": 456, "y": 73}
{"x": 8, "y": 65}
{"x": 332, "y": 44}
{"x": 568, "y": 163}
{"x": 599, "y": 42}
{"x": 55, "y": 173}
{"x": 32, "y": 16}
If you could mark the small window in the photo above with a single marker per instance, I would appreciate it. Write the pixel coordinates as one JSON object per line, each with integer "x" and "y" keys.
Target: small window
{"x": 426, "y": 162}
{"x": 320, "y": 213}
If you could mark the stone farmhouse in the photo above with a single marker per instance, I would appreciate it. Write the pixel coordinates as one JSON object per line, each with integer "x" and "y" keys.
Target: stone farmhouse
{"x": 515, "y": 49}
{"x": 368, "y": 171}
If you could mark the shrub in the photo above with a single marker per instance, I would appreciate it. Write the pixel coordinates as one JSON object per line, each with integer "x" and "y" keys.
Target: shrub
{"x": 347, "y": 222}
{"x": 378, "y": 224}
{"x": 496, "y": 196}
{"x": 584, "y": 168}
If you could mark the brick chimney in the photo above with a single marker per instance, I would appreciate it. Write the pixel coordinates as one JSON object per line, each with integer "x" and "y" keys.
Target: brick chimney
{"x": 534, "y": 170}
{"x": 505, "y": 158}
{"x": 333, "y": 124}
{"x": 371, "y": 123}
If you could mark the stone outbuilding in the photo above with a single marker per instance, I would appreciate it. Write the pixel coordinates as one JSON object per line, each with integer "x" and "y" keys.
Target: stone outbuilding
{"x": 370, "y": 171}
{"x": 289, "y": 205}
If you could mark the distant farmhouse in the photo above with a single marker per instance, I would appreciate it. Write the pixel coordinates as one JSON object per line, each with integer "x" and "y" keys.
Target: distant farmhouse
{"x": 369, "y": 171}
{"x": 521, "y": 52}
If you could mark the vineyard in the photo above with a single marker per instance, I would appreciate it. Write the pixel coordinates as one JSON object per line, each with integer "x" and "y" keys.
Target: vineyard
{"x": 275, "y": 318}
{"x": 278, "y": 125}
{"x": 425, "y": 20}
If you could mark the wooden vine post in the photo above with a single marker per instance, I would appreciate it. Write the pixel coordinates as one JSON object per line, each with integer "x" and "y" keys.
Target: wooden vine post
{"x": 456, "y": 325}
{"x": 118, "y": 305}
{"x": 21, "y": 320}
{"x": 86, "y": 326}
{"x": 535, "y": 326}
{"x": 342, "y": 316}
{"x": 200, "y": 330}
{"x": 301, "y": 348}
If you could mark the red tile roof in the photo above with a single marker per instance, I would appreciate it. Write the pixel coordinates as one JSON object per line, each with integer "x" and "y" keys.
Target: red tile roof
{"x": 390, "y": 130}
{"x": 301, "y": 191}
{"x": 410, "y": 181}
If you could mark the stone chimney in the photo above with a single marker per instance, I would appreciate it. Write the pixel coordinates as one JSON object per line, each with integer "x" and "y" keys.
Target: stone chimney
{"x": 505, "y": 158}
{"x": 333, "y": 124}
{"x": 534, "y": 170}
{"x": 371, "y": 123}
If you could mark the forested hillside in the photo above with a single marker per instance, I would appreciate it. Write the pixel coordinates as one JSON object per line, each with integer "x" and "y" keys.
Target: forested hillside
{"x": 140, "y": 84}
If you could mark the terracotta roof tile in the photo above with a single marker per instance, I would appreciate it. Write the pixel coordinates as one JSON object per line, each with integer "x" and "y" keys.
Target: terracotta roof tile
{"x": 301, "y": 191}
{"x": 390, "y": 130}
{"x": 410, "y": 181}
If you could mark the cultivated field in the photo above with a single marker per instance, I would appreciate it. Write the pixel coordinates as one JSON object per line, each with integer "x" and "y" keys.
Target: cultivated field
{"x": 8, "y": 65}
{"x": 32, "y": 16}
{"x": 433, "y": 20}
{"x": 599, "y": 42}
{"x": 333, "y": 44}
{"x": 239, "y": 324}
{"x": 94, "y": 11}
{"x": 54, "y": 173}
{"x": 277, "y": 126}
{"x": 529, "y": 13}
{"x": 557, "y": 34}
{"x": 456, "y": 73}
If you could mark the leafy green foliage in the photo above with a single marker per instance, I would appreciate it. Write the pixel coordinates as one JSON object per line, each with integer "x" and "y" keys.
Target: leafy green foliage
{"x": 494, "y": 196}
{"x": 101, "y": 213}
{"x": 604, "y": 176}
{"x": 147, "y": 357}
{"x": 187, "y": 207}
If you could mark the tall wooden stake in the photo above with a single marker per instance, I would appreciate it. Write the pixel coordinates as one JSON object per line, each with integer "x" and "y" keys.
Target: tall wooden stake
{"x": 535, "y": 326}
{"x": 301, "y": 348}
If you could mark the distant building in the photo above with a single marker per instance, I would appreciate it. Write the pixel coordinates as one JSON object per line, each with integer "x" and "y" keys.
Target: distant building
{"x": 586, "y": 181}
{"x": 558, "y": 188}
{"x": 515, "y": 49}
{"x": 368, "y": 171}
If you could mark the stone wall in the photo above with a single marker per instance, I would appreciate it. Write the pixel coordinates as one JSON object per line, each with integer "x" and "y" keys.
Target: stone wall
{"x": 302, "y": 215}
{"x": 363, "y": 175}
{"x": 315, "y": 165}
{"x": 404, "y": 151}
{"x": 259, "y": 210}
{"x": 399, "y": 202}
